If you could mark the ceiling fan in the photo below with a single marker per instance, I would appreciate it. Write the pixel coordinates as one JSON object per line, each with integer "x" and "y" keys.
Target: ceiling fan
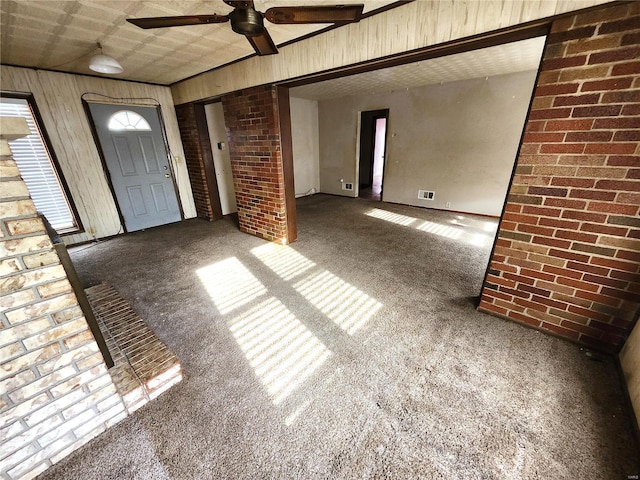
{"x": 247, "y": 21}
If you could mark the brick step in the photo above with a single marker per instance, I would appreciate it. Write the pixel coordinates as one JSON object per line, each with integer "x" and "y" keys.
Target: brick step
{"x": 144, "y": 365}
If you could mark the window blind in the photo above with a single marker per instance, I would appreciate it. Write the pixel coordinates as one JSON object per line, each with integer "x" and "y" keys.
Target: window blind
{"x": 37, "y": 169}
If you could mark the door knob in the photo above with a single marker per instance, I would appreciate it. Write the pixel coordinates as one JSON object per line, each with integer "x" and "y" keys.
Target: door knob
{"x": 166, "y": 175}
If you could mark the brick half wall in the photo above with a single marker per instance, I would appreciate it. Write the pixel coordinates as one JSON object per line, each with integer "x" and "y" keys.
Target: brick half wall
{"x": 567, "y": 256}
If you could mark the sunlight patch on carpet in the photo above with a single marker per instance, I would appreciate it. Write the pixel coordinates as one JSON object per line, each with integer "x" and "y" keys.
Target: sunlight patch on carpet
{"x": 280, "y": 349}
{"x": 343, "y": 303}
{"x": 457, "y": 232}
{"x": 340, "y": 301}
{"x": 441, "y": 230}
{"x": 486, "y": 225}
{"x": 284, "y": 261}
{"x": 230, "y": 284}
{"x": 391, "y": 217}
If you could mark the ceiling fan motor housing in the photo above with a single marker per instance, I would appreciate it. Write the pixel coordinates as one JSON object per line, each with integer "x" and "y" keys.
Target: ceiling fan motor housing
{"x": 247, "y": 21}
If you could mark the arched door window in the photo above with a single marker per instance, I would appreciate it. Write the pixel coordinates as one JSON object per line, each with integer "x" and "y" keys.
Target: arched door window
{"x": 127, "y": 120}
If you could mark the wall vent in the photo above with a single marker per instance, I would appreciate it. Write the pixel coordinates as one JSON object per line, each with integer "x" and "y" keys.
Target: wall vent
{"x": 426, "y": 195}
{"x": 347, "y": 186}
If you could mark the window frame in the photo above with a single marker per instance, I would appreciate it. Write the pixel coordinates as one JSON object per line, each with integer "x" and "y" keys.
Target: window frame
{"x": 31, "y": 101}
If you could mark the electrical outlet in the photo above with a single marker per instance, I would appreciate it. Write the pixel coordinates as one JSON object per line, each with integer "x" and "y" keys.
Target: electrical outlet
{"x": 92, "y": 231}
{"x": 347, "y": 186}
{"x": 447, "y": 205}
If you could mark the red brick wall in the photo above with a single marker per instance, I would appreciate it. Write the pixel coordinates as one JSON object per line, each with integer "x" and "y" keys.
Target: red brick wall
{"x": 567, "y": 257}
{"x": 186, "y": 115}
{"x": 251, "y": 117}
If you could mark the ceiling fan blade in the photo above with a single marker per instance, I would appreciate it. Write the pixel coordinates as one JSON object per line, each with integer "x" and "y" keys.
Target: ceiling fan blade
{"x": 160, "y": 22}
{"x": 262, "y": 43}
{"x": 239, "y": 3}
{"x": 320, "y": 14}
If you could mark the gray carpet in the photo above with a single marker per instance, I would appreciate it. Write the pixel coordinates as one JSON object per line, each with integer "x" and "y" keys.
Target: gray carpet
{"x": 355, "y": 353}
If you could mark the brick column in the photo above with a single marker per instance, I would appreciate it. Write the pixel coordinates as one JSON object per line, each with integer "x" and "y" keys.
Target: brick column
{"x": 192, "y": 123}
{"x": 55, "y": 391}
{"x": 257, "y": 121}
{"x": 567, "y": 257}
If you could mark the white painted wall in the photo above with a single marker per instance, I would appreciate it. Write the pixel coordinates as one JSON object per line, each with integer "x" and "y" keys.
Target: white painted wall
{"x": 221, "y": 158}
{"x": 458, "y": 139}
{"x": 58, "y": 97}
{"x": 306, "y": 145}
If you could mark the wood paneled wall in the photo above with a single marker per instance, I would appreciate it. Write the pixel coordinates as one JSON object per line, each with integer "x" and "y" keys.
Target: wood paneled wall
{"x": 58, "y": 98}
{"x": 415, "y": 25}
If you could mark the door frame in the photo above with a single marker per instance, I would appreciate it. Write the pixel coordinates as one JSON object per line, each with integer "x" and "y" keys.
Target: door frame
{"x": 103, "y": 161}
{"x": 374, "y": 116}
{"x": 202, "y": 123}
{"x": 206, "y": 149}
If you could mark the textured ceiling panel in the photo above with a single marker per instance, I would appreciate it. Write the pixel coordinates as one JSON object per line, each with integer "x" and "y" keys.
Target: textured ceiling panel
{"x": 499, "y": 60}
{"x": 62, "y": 35}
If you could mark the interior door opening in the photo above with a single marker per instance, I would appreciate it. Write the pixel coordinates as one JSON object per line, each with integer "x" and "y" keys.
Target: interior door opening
{"x": 373, "y": 134}
{"x": 221, "y": 158}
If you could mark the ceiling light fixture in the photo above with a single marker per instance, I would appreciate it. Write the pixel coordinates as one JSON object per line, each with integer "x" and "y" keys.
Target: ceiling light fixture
{"x": 104, "y": 63}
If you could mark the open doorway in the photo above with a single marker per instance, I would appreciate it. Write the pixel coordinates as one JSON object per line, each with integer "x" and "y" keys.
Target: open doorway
{"x": 373, "y": 134}
{"x": 221, "y": 159}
